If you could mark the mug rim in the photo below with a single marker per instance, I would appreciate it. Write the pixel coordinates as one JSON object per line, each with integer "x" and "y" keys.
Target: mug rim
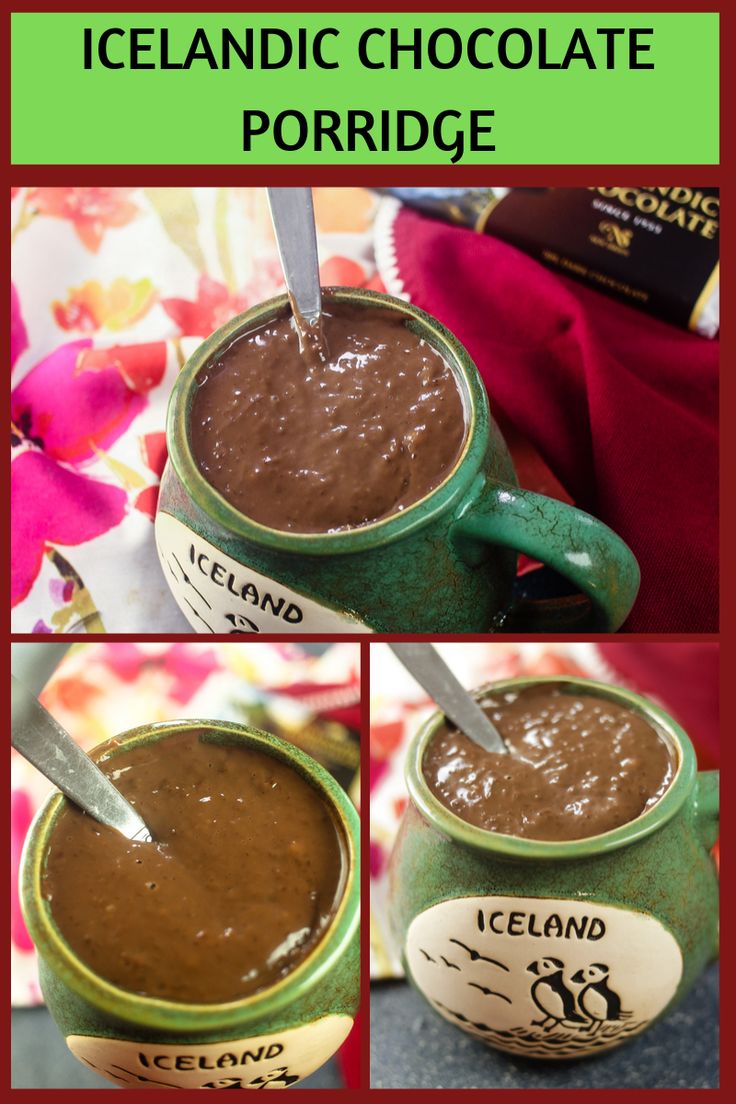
{"x": 501, "y": 845}
{"x": 153, "y": 1012}
{"x": 360, "y": 537}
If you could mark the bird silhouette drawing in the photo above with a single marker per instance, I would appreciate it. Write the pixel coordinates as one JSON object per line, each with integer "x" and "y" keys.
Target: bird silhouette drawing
{"x": 488, "y": 992}
{"x": 551, "y": 995}
{"x": 596, "y": 999}
{"x": 476, "y": 956}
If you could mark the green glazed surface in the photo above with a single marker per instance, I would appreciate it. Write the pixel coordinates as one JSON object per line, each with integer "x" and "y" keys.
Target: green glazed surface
{"x": 659, "y": 864}
{"x": 446, "y": 563}
{"x": 82, "y": 1003}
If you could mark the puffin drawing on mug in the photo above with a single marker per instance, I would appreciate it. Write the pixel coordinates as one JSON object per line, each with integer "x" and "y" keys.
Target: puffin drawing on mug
{"x": 543, "y": 977}
{"x": 571, "y": 1006}
{"x": 592, "y": 1005}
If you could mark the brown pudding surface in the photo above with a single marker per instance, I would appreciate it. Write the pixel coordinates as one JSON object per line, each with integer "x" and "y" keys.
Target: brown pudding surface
{"x": 578, "y": 765}
{"x": 244, "y": 876}
{"x": 313, "y": 446}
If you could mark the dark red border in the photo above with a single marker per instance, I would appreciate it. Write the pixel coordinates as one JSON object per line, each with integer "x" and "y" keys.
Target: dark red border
{"x": 721, "y": 175}
{"x": 366, "y": 176}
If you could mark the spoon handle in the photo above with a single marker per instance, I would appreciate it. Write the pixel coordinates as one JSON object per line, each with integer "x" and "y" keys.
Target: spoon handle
{"x": 43, "y": 742}
{"x": 34, "y": 664}
{"x": 293, "y": 222}
{"x": 433, "y": 674}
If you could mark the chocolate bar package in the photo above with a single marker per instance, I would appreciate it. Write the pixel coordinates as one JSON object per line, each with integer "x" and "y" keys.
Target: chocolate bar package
{"x": 655, "y": 248}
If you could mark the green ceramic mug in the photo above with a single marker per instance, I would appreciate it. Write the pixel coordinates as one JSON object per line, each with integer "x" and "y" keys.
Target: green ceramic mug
{"x": 273, "y": 1038}
{"x": 445, "y": 564}
{"x": 631, "y": 914}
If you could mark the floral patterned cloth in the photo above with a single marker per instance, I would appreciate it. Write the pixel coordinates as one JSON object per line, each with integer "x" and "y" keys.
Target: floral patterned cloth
{"x": 398, "y": 707}
{"x": 112, "y": 289}
{"x": 100, "y": 690}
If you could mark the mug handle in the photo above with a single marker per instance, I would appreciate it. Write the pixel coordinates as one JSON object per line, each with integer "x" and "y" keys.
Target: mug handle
{"x": 576, "y": 545}
{"x": 707, "y": 807}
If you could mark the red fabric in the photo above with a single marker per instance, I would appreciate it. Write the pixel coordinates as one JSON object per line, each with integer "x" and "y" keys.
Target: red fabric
{"x": 344, "y": 708}
{"x": 684, "y": 677}
{"x": 622, "y": 407}
{"x": 348, "y": 1057}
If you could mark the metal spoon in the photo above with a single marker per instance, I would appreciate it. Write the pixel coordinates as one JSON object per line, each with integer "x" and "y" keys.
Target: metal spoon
{"x": 34, "y": 664}
{"x": 43, "y": 742}
{"x": 432, "y": 673}
{"x": 292, "y": 213}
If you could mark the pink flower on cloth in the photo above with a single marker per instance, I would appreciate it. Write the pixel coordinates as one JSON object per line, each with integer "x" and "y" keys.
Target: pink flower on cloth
{"x": 215, "y": 305}
{"x": 92, "y": 305}
{"x": 187, "y": 667}
{"x": 18, "y": 333}
{"x": 125, "y": 660}
{"x": 153, "y": 449}
{"x": 141, "y": 366}
{"x": 78, "y": 400}
{"x": 154, "y": 452}
{"x": 52, "y": 505}
{"x": 72, "y": 404}
{"x": 339, "y": 271}
{"x": 91, "y": 211}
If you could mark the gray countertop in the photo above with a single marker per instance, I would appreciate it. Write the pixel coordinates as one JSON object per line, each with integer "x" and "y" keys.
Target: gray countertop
{"x": 40, "y": 1059}
{"x": 412, "y": 1047}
